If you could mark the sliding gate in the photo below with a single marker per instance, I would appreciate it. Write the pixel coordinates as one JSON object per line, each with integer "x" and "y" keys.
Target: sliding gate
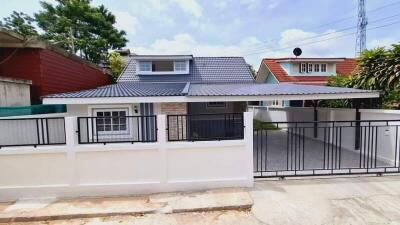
{"x": 284, "y": 149}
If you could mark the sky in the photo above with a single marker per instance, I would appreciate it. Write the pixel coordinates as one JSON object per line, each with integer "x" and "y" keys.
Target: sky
{"x": 254, "y": 29}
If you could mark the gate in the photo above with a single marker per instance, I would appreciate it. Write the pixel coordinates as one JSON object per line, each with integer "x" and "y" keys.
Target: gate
{"x": 285, "y": 149}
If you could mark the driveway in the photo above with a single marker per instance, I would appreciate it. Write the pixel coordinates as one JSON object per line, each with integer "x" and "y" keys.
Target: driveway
{"x": 363, "y": 200}
{"x": 278, "y": 152}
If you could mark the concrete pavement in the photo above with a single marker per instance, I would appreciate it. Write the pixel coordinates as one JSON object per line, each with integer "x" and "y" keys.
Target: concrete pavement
{"x": 29, "y": 210}
{"x": 331, "y": 201}
{"x": 362, "y": 200}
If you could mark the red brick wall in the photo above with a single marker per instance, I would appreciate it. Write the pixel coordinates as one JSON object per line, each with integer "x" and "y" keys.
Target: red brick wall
{"x": 50, "y": 72}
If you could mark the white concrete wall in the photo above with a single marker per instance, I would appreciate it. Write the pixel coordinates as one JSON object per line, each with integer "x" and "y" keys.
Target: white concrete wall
{"x": 14, "y": 92}
{"x": 117, "y": 169}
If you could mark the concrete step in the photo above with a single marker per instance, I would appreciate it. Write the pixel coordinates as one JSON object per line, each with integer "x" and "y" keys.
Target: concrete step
{"x": 26, "y": 210}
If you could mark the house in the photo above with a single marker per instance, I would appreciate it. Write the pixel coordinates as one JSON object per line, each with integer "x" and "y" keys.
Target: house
{"x": 170, "y": 123}
{"x": 49, "y": 68}
{"x": 218, "y": 87}
{"x": 309, "y": 71}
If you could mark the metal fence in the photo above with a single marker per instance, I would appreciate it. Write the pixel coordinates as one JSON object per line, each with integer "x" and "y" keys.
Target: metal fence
{"x": 115, "y": 129}
{"x": 327, "y": 148}
{"x": 32, "y": 131}
{"x": 203, "y": 127}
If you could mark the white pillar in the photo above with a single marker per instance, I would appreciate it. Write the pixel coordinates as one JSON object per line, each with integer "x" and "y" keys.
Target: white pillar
{"x": 70, "y": 131}
{"x": 162, "y": 140}
{"x": 248, "y": 137}
{"x": 71, "y": 142}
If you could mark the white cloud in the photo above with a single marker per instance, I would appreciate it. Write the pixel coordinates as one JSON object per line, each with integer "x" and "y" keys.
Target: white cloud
{"x": 191, "y": 7}
{"x": 126, "y": 22}
{"x": 254, "y": 4}
{"x": 186, "y": 44}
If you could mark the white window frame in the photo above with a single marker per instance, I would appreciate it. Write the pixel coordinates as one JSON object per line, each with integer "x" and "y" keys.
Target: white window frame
{"x": 303, "y": 68}
{"x": 104, "y": 132}
{"x": 326, "y": 67}
{"x": 309, "y": 68}
{"x": 92, "y": 109}
{"x": 222, "y": 106}
{"x": 316, "y": 67}
{"x": 179, "y": 65}
{"x": 147, "y": 64}
{"x": 150, "y": 72}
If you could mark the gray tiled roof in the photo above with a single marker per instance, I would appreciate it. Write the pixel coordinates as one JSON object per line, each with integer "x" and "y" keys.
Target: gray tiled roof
{"x": 265, "y": 89}
{"x": 134, "y": 89}
{"x": 127, "y": 89}
{"x": 202, "y": 70}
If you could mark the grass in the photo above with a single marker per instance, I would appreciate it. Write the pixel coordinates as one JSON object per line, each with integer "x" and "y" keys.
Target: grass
{"x": 260, "y": 125}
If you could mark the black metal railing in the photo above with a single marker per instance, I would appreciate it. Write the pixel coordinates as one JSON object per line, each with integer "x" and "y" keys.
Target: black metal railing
{"x": 115, "y": 129}
{"x": 327, "y": 148}
{"x": 32, "y": 131}
{"x": 205, "y": 127}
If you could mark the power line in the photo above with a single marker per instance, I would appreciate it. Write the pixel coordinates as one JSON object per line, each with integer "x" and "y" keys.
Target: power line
{"x": 330, "y": 33}
{"x": 274, "y": 40}
{"x": 311, "y": 43}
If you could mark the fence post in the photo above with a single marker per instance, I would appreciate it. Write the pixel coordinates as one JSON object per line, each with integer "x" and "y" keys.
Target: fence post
{"x": 162, "y": 141}
{"x": 248, "y": 137}
{"x": 71, "y": 142}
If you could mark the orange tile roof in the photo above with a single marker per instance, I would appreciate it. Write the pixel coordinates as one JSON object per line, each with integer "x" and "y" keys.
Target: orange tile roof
{"x": 345, "y": 67}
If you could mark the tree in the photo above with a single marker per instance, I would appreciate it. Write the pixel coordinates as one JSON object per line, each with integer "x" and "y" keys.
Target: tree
{"x": 116, "y": 63}
{"x": 252, "y": 70}
{"x": 379, "y": 69}
{"x": 81, "y": 28}
{"x": 20, "y": 23}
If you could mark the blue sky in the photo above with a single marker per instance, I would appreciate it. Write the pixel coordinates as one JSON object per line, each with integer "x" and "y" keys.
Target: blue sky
{"x": 250, "y": 28}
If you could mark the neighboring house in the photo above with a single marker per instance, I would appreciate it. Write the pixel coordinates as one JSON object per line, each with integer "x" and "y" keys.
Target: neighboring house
{"x": 179, "y": 85}
{"x": 50, "y": 68}
{"x": 309, "y": 71}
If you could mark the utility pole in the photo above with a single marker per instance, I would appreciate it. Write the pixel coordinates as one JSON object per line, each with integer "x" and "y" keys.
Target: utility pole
{"x": 361, "y": 28}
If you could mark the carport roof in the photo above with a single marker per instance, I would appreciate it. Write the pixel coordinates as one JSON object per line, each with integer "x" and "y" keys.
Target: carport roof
{"x": 187, "y": 92}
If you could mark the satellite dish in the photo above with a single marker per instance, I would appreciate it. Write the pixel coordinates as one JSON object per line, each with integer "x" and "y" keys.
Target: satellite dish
{"x": 297, "y": 51}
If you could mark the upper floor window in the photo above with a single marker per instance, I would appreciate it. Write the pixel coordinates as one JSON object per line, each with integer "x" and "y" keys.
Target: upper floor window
{"x": 303, "y": 68}
{"x": 145, "y": 66}
{"x": 180, "y": 65}
{"x": 310, "y": 67}
{"x": 163, "y": 67}
{"x": 316, "y": 67}
{"x": 323, "y": 67}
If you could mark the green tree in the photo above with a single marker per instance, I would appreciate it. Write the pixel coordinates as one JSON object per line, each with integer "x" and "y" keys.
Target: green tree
{"x": 20, "y": 23}
{"x": 83, "y": 29}
{"x": 252, "y": 70}
{"x": 379, "y": 69}
{"x": 116, "y": 63}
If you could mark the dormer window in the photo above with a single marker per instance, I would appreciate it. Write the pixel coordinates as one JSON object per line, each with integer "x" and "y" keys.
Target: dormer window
{"x": 161, "y": 67}
{"x": 145, "y": 66}
{"x": 179, "y": 65}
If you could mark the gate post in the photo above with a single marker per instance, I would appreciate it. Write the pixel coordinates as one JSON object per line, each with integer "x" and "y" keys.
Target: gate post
{"x": 248, "y": 138}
